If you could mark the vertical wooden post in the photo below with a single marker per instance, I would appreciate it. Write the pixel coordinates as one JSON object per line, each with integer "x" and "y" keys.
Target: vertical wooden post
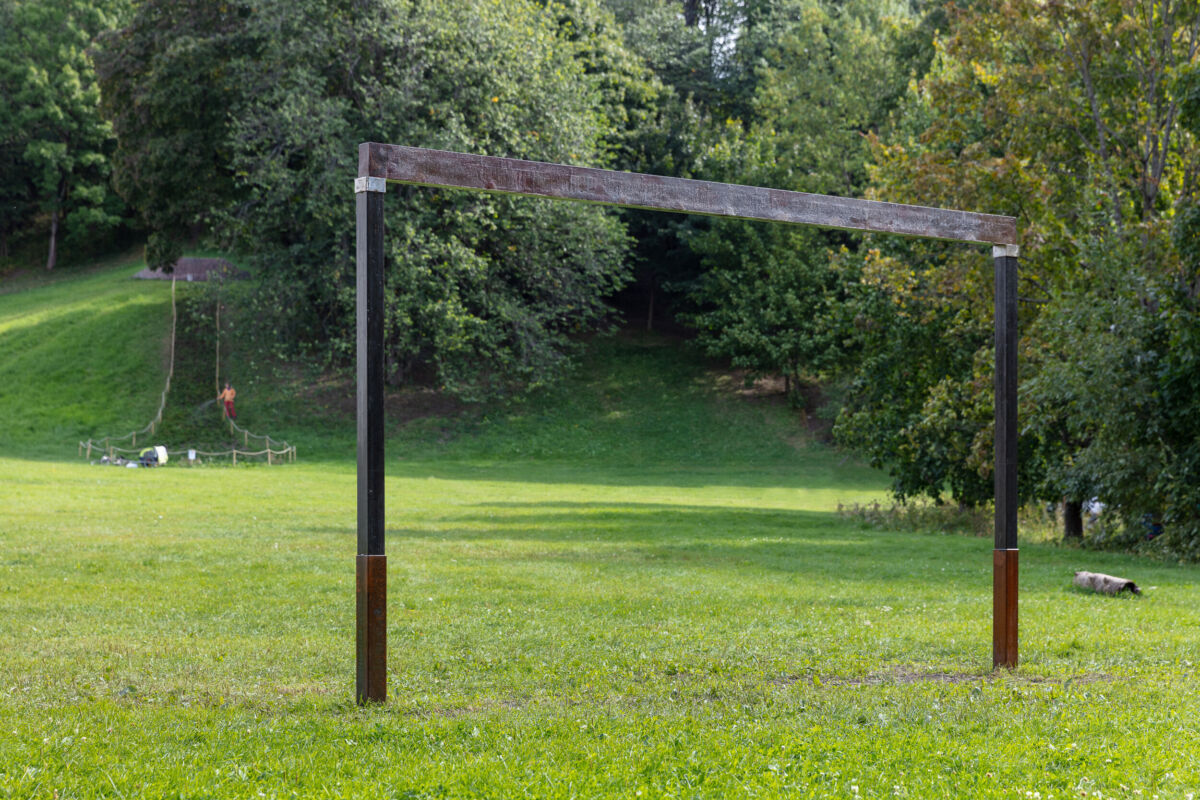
{"x": 1004, "y": 556}
{"x": 371, "y": 564}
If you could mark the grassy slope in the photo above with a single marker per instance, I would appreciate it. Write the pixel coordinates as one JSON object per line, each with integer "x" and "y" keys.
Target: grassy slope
{"x": 660, "y": 600}
{"x": 80, "y": 355}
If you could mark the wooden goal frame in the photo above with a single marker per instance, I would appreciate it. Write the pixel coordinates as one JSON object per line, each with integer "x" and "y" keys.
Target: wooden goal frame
{"x": 379, "y": 164}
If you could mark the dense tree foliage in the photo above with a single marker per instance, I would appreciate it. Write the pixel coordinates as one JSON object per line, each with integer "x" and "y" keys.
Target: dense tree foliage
{"x": 483, "y": 290}
{"x": 54, "y": 143}
{"x": 1071, "y": 123}
{"x": 171, "y": 88}
{"x": 821, "y": 75}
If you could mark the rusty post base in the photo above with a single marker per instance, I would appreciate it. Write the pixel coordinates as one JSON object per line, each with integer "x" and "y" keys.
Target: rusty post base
{"x": 1004, "y": 608}
{"x": 372, "y": 629}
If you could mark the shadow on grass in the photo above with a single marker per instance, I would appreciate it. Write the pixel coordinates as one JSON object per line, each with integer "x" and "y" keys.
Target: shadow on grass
{"x": 38, "y": 278}
{"x": 809, "y": 545}
{"x": 816, "y": 469}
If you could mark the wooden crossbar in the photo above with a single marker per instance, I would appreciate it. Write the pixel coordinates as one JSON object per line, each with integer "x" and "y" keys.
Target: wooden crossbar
{"x": 416, "y": 165}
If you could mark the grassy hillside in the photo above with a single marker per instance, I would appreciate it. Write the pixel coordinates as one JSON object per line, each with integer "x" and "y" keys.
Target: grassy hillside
{"x": 80, "y": 355}
{"x": 86, "y": 355}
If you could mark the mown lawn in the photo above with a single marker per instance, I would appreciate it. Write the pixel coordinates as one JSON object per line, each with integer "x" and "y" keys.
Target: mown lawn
{"x": 560, "y": 630}
{"x": 632, "y": 587}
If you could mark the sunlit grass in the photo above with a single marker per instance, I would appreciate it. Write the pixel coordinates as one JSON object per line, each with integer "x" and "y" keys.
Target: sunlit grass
{"x": 560, "y": 631}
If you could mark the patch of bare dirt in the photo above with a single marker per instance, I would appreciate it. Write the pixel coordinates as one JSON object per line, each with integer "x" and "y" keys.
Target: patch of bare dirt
{"x": 773, "y": 390}
{"x": 337, "y": 395}
{"x": 737, "y": 383}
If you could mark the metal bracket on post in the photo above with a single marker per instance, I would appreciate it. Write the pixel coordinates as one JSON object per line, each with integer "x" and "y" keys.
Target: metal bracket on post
{"x": 1004, "y": 556}
{"x": 371, "y": 564}
{"x": 370, "y": 185}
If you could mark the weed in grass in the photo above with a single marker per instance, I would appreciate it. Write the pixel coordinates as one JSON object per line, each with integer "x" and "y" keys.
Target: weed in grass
{"x": 921, "y": 515}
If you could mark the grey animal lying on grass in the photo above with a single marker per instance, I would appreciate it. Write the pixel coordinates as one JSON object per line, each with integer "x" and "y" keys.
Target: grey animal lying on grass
{"x": 1099, "y": 582}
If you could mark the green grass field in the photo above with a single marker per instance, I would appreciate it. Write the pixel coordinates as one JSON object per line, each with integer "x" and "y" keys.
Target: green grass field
{"x": 635, "y": 586}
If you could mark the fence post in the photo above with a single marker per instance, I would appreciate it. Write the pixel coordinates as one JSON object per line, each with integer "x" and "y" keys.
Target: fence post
{"x": 235, "y": 456}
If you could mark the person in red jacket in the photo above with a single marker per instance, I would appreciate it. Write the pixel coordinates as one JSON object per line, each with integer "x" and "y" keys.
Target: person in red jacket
{"x": 228, "y": 396}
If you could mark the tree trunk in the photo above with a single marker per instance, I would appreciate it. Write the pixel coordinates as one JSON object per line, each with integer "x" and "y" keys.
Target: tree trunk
{"x": 1072, "y": 519}
{"x": 650, "y": 311}
{"x": 795, "y": 386}
{"x": 691, "y": 13}
{"x": 53, "y": 257}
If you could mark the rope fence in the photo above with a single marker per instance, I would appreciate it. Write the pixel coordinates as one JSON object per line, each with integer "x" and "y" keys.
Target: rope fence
{"x": 276, "y": 450}
{"x": 273, "y": 447}
{"x": 284, "y": 453}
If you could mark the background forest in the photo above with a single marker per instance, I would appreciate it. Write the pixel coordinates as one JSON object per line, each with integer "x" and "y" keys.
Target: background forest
{"x": 235, "y": 125}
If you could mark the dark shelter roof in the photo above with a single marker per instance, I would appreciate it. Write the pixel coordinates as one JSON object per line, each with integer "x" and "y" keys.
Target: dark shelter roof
{"x": 195, "y": 269}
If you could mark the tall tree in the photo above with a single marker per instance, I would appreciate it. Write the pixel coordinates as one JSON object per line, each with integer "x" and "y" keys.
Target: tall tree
{"x": 170, "y": 86}
{"x": 826, "y": 76}
{"x": 1069, "y": 121}
{"x": 484, "y": 291}
{"x": 54, "y": 138}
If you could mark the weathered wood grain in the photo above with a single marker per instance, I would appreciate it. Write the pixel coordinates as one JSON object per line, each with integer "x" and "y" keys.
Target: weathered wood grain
{"x": 415, "y": 165}
{"x": 1005, "y": 588}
